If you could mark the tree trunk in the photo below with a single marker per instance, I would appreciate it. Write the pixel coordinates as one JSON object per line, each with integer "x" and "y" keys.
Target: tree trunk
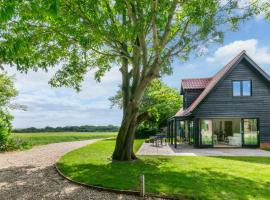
{"x": 124, "y": 142}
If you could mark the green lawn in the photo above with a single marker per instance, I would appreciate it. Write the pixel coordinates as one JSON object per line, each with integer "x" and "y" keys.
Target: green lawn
{"x": 188, "y": 177}
{"x": 54, "y": 137}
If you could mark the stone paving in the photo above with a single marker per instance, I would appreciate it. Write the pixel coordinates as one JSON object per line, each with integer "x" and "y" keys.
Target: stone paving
{"x": 187, "y": 150}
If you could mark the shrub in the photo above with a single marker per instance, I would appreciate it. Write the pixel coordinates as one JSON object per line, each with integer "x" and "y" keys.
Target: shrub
{"x": 4, "y": 134}
{"x": 8, "y": 143}
{"x": 17, "y": 144}
{"x": 145, "y": 133}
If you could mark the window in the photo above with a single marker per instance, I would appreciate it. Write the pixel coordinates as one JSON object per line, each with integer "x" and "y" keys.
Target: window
{"x": 246, "y": 88}
{"x": 191, "y": 132}
{"x": 236, "y": 88}
{"x": 206, "y": 132}
{"x": 250, "y": 128}
{"x": 242, "y": 88}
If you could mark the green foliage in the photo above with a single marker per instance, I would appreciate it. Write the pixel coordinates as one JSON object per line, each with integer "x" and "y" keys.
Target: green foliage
{"x": 4, "y": 134}
{"x": 7, "y": 92}
{"x": 183, "y": 177}
{"x": 262, "y": 7}
{"x": 145, "y": 133}
{"x": 81, "y": 35}
{"x": 159, "y": 99}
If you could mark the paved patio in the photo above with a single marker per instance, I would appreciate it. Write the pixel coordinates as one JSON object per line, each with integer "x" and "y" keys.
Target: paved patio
{"x": 186, "y": 150}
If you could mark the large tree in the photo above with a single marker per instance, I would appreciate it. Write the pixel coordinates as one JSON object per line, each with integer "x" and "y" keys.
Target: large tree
{"x": 140, "y": 37}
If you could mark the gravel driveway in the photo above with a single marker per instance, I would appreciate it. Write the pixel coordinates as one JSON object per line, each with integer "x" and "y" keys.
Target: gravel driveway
{"x": 31, "y": 175}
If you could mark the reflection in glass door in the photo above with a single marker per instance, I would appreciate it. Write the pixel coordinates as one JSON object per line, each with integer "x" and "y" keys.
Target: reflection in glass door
{"x": 191, "y": 132}
{"x": 251, "y": 132}
{"x": 206, "y": 129}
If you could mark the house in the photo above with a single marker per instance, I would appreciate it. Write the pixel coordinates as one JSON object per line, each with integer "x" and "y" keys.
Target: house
{"x": 230, "y": 109}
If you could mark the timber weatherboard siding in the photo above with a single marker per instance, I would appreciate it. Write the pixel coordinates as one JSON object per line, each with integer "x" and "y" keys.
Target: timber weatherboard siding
{"x": 191, "y": 95}
{"x": 220, "y": 102}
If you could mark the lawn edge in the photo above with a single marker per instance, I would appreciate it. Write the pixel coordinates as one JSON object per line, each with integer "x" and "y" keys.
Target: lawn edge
{"x": 117, "y": 191}
{"x": 100, "y": 188}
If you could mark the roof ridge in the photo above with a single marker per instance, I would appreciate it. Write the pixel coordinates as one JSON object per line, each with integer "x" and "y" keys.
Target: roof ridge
{"x": 197, "y": 78}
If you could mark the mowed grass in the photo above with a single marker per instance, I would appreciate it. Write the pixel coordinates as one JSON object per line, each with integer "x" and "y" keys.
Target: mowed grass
{"x": 55, "y": 137}
{"x": 182, "y": 177}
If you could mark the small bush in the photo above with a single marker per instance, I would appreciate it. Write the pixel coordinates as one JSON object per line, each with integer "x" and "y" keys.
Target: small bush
{"x": 4, "y": 134}
{"x": 8, "y": 143}
{"x": 17, "y": 144}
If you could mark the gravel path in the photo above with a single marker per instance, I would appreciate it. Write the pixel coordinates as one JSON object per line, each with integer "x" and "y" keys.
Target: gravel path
{"x": 31, "y": 175}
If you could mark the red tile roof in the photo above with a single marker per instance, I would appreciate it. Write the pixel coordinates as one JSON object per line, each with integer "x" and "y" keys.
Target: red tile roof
{"x": 216, "y": 78}
{"x": 195, "y": 83}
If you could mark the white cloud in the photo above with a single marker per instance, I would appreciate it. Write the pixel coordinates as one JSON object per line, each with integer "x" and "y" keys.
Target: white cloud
{"x": 223, "y": 54}
{"x": 49, "y": 106}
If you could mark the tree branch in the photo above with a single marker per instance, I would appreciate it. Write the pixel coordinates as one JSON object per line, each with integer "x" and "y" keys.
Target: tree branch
{"x": 154, "y": 27}
{"x": 168, "y": 24}
{"x": 143, "y": 116}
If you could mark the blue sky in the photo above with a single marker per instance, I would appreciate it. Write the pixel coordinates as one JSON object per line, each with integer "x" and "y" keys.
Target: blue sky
{"x": 63, "y": 106}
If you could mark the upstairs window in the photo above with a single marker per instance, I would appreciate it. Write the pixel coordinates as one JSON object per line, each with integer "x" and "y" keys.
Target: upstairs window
{"x": 242, "y": 88}
{"x": 246, "y": 85}
{"x": 236, "y": 88}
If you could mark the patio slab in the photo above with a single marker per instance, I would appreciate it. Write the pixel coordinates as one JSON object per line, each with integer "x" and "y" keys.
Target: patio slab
{"x": 186, "y": 150}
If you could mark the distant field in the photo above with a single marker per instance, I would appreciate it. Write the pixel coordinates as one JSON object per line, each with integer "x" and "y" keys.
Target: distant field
{"x": 54, "y": 137}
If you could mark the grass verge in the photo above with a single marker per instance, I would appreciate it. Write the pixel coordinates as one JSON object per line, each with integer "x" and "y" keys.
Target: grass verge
{"x": 188, "y": 177}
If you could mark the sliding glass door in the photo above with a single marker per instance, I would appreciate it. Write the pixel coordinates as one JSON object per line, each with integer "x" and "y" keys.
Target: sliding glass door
{"x": 206, "y": 132}
{"x": 191, "y": 132}
{"x": 250, "y": 132}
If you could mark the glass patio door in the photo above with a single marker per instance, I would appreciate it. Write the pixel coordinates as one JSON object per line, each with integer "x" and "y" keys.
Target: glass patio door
{"x": 191, "y": 132}
{"x": 206, "y": 132}
{"x": 250, "y": 132}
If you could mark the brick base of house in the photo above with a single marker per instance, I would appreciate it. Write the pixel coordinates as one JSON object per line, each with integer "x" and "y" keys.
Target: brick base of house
{"x": 265, "y": 145}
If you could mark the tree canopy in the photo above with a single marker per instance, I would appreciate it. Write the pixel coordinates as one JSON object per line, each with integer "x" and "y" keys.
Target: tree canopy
{"x": 81, "y": 35}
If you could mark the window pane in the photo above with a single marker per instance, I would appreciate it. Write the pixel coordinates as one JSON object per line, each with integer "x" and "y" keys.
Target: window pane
{"x": 250, "y": 132}
{"x": 206, "y": 132}
{"x": 236, "y": 88}
{"x": 182, "y": 128}
{"x": 186, "y": 130}
{"x": 191, "y": 132}
{"x": 246, "y": 88}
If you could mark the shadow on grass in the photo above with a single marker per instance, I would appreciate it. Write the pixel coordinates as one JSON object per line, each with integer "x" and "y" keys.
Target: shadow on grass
{"x": 163, "y": 179}
{"x": 250, "y": 159}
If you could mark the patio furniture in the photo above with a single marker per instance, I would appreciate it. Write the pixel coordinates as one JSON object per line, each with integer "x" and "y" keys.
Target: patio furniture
{"x": 162, "y": 138}
{"x": 235, "y": 140}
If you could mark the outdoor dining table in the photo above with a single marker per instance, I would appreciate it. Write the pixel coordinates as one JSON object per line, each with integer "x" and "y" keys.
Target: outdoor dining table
{"x": 158, "y": 138}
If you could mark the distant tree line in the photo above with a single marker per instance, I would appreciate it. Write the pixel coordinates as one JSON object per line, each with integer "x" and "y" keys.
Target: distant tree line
{"x": 85, "y": 128}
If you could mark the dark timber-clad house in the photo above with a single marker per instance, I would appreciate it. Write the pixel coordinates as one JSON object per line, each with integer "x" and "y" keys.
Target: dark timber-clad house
{"x": 230, "y": 109}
